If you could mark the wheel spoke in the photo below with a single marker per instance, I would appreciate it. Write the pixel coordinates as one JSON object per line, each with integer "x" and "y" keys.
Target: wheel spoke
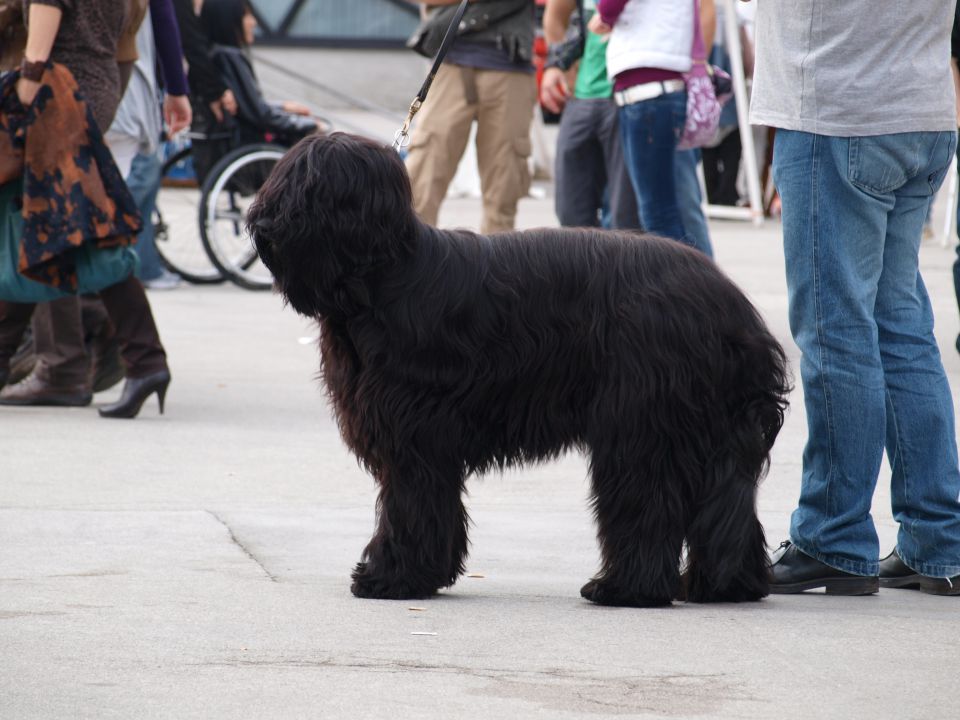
{"x": 176, "y": 234}
{"x": 227, "y": 195}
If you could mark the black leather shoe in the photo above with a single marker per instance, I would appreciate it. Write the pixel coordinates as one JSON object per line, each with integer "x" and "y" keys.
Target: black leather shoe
{"x": 794, "y": 572}
{"x": 135, "y": 393}
{"x": 4, "y": 374}
{"x": 895, "y": 573}
{"x": 33, "y": 390}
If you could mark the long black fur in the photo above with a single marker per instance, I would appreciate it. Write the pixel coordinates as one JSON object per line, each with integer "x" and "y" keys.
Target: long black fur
{"x": 448, "y": 353}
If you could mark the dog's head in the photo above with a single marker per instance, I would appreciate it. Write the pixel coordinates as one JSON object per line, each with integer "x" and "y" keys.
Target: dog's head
{"x": 336, "y": 209}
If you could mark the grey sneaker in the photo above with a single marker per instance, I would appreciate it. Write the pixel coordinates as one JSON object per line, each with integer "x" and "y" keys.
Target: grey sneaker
{"x": 166, "y": 280}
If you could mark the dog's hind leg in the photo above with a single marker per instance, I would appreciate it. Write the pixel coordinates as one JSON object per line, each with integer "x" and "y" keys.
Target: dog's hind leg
{"x": 420, "y": 543}
{"x": 727, "y": 555}
{"x": 640, "y": 523}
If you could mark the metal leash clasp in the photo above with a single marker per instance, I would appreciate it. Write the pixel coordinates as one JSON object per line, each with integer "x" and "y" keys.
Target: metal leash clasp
{"x": 402, "y": 137}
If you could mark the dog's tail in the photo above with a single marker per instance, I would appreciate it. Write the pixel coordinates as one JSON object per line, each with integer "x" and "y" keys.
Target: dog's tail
{"x": 758, "y": 382}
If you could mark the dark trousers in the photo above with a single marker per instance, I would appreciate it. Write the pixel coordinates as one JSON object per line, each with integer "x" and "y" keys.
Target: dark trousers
{"x": 590, "y": 168}
{"x": 58, "y": 342}
{"x": 129, "y": 311}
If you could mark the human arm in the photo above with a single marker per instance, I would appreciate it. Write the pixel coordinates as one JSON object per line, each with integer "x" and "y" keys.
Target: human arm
{"x": 166, "y": 35}
{"x": 252, "y": 107}
{"x": 555, "y": 83}
{"x": 177, "y": 112}
{"x": 708, "y": 23}
{"x": 295, "y": 108}
{"x": 556, "y": 19}
{"x": 43, "y": 25}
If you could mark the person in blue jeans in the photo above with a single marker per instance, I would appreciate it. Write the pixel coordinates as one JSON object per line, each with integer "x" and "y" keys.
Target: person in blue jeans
{"x": 590, "y": 172}
{"x": 144, "y": 184}
{"x": 648, "y": 52}
{"x": 955, "y": 70}
{"x": 861, "y": 95}
{"x": 134, "y": 139}
{"x": 690, "y": 200}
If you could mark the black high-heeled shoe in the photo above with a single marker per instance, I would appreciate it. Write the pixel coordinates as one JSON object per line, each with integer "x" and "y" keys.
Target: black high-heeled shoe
{"x": 135, "y": 393}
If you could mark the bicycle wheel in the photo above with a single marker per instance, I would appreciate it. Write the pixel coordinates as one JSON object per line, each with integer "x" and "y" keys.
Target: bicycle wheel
{"x": 178, "y": 242}
{"x": 227, "y": 193}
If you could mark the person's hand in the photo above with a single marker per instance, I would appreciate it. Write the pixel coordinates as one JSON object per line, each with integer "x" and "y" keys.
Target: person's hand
{"x": 27, "y": 91}
{"x": 554, "y": 90}
{"x": 295, "y": 108}
{"x": 598, "y": 26}
{"x": 225, "y": 103}
{"x": 229, "y": 101}
{"x": 177, "y": 113}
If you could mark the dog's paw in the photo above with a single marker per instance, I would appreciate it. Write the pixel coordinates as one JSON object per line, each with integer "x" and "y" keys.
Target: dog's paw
{"x": 733, "y": 594}
{"x": 603, "y": 592}
{"x": 698, "y": 588}
{"x": 368, "y": 585}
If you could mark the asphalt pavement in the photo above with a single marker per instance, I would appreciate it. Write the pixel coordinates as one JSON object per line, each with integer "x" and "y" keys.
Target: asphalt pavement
{"x": 196, "y": 564}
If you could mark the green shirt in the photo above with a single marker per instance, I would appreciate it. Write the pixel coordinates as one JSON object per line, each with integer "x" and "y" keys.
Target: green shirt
{"x": 592, "y": 81}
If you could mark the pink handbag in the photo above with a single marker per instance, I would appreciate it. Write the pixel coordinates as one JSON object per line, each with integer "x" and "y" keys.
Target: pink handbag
{"x": 703, "y": 104}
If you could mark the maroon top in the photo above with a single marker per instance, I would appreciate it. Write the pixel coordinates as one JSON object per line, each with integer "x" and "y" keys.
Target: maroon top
{"x": 609, "y": 11}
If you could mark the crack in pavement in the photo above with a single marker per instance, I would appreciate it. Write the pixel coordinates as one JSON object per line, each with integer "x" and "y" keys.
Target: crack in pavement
{"x": 244, "y": 548}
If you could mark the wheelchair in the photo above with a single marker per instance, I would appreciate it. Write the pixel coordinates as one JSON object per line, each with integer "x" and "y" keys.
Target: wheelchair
{"x": 208, "y": 182}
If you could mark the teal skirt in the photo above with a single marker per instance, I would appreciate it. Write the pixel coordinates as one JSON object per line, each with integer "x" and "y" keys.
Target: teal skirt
{"x": 96, "y": 268}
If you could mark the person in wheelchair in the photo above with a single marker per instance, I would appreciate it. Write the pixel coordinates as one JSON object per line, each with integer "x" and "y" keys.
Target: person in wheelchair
{"x": 230, "y": 26}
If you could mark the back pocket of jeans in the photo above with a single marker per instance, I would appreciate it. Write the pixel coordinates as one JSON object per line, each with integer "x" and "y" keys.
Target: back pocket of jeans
{"x": 883, "y": 163}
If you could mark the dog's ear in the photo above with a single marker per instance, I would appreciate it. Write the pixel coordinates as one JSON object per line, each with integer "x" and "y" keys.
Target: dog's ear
{"x": 335, "y": 209}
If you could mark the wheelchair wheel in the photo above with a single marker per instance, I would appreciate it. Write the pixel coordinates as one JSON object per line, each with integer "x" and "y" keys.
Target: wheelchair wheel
{"x": 227, "y": 193}
{"x": 178, "y": 242}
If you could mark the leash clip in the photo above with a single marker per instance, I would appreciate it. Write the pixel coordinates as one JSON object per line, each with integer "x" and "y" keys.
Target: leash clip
{"x": 402, "y": 137}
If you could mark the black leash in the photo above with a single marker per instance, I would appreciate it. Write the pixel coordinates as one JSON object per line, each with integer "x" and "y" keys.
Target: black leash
{"x": 402, "y": 137}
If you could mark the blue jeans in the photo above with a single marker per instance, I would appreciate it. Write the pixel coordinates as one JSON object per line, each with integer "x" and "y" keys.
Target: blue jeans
{"x": 144, "y": 184}
{"x": 649, "y": 131}
{"x": 690, "y": 200}
{"x": 853, "y": 213}
{"x": 956, "y": 262}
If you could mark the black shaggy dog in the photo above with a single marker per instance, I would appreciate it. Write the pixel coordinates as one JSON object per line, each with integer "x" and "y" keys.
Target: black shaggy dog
{"x": 448, "y": 353}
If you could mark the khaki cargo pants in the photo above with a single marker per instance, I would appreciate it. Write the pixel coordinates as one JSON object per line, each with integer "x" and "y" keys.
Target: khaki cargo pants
{"x": 502, "y": 104}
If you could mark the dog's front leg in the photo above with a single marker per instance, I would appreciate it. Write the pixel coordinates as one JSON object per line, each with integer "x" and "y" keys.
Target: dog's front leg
{"x": 420, "y": 543}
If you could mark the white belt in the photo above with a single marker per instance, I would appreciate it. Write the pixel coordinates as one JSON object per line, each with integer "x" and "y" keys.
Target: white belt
{"x": 647, "y": 91}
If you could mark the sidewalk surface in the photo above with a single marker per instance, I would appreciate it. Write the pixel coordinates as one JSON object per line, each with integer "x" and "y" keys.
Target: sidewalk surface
{"x": 196, "y": 565}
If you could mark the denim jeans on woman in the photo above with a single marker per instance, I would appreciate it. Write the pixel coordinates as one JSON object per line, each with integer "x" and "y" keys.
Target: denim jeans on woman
{"x": 853, "y": 212}
{"x": 690, "y": 200}
{"x": 649, "y": 131}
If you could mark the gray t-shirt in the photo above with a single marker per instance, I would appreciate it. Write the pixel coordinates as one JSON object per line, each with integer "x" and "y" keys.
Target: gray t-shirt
{"x": 853, "y": 67}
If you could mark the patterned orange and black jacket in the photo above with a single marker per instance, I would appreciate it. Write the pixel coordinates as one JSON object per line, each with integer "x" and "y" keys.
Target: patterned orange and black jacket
{"x": 72, "y": 190}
